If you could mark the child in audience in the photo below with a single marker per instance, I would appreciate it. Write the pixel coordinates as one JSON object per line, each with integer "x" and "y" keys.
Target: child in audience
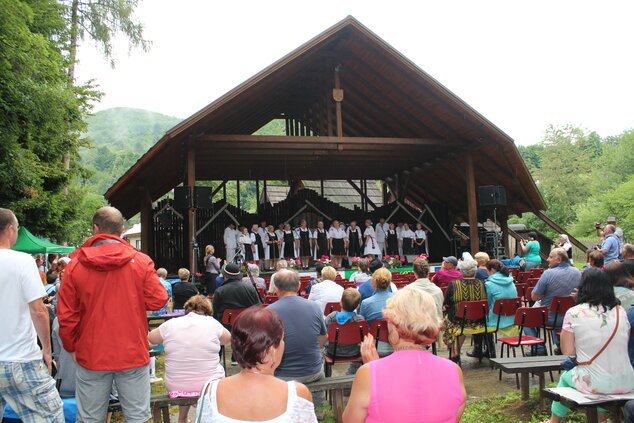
{"x": 350, "y": 300}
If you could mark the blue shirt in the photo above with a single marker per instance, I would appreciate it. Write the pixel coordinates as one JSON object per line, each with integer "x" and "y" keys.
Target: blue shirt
{"x": 558, "y": 281}
{"x": 366, "y": 290}
{"x": 303, "y": 324}
{"x": 611, "y": 248}
{"x": 168, "y": 288}
{"x": 372, "y": 308}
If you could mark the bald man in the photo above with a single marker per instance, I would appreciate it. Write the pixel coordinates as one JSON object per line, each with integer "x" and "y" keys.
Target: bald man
{"x": 107, "y": 289}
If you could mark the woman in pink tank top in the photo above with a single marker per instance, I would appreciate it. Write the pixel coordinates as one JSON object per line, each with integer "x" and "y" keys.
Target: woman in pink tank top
{"x": 410, "y": 385}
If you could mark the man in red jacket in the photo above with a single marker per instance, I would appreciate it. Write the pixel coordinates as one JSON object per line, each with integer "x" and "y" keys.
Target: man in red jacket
{"x": 107, "y": 289}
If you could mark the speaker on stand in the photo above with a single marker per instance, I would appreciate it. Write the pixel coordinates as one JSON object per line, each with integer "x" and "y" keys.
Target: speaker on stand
{"x": 493, "y": 196}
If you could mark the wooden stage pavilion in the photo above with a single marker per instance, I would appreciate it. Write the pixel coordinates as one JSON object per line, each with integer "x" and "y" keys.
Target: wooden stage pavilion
{"x": 355, "y": 110}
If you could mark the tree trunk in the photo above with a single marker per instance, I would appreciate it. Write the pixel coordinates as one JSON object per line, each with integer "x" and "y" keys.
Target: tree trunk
{"x": 74, "y": 33}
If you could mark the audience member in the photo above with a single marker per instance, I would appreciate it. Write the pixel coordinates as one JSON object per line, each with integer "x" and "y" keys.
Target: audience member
{"x": 255, "y": 278}
{"x": 611, "y": 245}
{"x": 326, "y": 291}
{"x": 183, "y": 290}
{"x": 233, "y": 293}
{"x": 361, "y": 275}
{"x": 316, "y": 279}
{"x": 482, "y": 259}
{"x": 212, "y": 267}
{"x": 366, "y": 289}
{"x": 411, "y": 385}
{"x": 564, "y": 242}
{"x": 596, "y": 331}
{"x": 630, "y": 345}
{"x": 25, "y": 382}
{"x": 467, "y": 288}
{"x": 162, "y": 275}
{"x": 628, "y": 257}
{"x": 559, "y": 280}
{"x": 107, "y": 289}
{"x": 447, "y": 273}
{"x": 622, "y": 281}
{"x": 281, "y": 264}
{"x": 372, "y": 307}
{"x": 254, "y": 394}
{"x": 304, "y": 332}
{"x": 192, "y": 346}
{"x": 531, "y": 251}
{"x": 349, "y": 302}
{"x": 421, "y": 270}
{"x": 594, "y": 259}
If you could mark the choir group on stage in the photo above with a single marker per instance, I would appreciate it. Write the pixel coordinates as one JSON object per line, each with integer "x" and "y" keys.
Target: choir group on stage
{"x": 266, "y": 245}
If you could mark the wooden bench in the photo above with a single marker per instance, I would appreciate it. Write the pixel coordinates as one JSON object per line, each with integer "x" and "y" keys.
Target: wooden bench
{"x": 524, "y": 366}
{"x": 571, "y": 398}
{"x": 336, "y": 386}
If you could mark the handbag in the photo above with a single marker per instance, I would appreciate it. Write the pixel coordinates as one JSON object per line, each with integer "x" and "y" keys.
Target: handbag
{"x": 571, "y": 362}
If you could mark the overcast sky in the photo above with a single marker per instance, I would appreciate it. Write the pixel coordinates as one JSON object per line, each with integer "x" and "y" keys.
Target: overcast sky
{"x": 522, "y": 64}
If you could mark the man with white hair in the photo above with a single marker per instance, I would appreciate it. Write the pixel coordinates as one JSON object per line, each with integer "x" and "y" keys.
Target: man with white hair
{"x": 230, "y": 238}
{"x": 611, "y": 245}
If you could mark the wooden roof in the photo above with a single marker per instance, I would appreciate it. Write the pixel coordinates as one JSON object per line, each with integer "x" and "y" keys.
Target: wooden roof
{"x": 340, "y": 192}
{"x": 396, "y": 120}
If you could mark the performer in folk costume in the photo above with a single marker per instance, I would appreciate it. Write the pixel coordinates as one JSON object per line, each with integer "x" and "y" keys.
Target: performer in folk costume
{"x": 407, "y": 240}
{"x": 246, "y": 245}
{"x": 288, "y": 239}
{"x": 320, "y": 241}
{"x": 258, "y": 242}
{"x": 371, "y": 244}
{"x": 380, "y": 230}
{"x": 280, "y": 234}
{"x": 391, "y": 241}
{"x": 272, "y": 248}
{"x": 302, "y": 240}
{"x": 399, "y": 229}
{"x": 355, "y": 240}
{"x": 337, "y": 244}
{"x": 420, "y": 240}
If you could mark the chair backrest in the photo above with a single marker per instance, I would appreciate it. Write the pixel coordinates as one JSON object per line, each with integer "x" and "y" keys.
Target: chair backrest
{"x": 229, "y": 315}
{"x": 401, "y": 284}
{"x": 270, "y": 299}
{"x": 536, "y": 272}
{"x": 330, "y": 307}
{"x": 303, "y": 284}
{"x": 528, "y": 293}
{"x": 473, "y": 310}
{"x": 560, "y": 305}
{"x": 515, "y": 271}
{"x": 506, "y": 306}
{"x": 378, "y": 329}
{"x": 521, "y": 289}
{"x": 261, "y": 293}
{"x": 531, "y": 317}
{"x": 532, "y": 281}
{"x": 522, "y": 277}
{"x": 351, "y": 333}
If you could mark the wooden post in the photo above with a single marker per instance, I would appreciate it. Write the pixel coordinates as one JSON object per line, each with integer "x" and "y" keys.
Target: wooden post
{"x": 224, "y": 191}
{"x": 321, "y": 185}
{"x": 147, "y": 222}
{"x": 257, "y": 196}
{"x": 237, "y": 193}
{"x": 384, "y": 193}
{"x": 472, "y": 207}
{"x": 337, "y": 95}
{"x": 191, "y": 211}
{"x": 504, "y": 225}
{"x": 264, "y": 193}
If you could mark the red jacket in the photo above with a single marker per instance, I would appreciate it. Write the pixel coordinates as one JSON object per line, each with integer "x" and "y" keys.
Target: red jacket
{"x": 102, "y": 303}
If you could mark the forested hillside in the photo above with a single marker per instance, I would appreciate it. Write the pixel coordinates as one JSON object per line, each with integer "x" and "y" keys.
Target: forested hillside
{"x": 119, "y": 137}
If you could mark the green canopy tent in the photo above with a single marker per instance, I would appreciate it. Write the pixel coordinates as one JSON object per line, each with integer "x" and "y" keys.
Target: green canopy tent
{"x": 29, "y": 243}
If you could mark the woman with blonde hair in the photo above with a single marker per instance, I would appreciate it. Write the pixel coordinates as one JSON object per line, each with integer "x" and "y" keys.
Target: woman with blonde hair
{"x": 412, "y": 384}
{"x": 372, "y": 307}
{"x": 212, "y": 266}
{"x": 192, "y": 345}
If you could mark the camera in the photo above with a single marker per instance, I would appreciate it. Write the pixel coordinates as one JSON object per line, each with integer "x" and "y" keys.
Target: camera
{"x": 597, "y": 225}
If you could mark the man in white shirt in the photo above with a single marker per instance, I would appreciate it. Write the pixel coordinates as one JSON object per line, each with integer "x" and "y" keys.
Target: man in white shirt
{"x": 327, "y": 291}
{"x": 230, "y": 239}
{"x": 380, "y": 230}
{"x": 25, "y": 380}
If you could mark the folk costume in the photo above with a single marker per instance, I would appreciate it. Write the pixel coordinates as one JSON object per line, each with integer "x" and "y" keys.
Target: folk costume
{"x": 391, "y": 242}
{"x": 289, "y": 244}
{"x": 421, "y": 238}
{"x": 354, "y": 241}
{"x": 371, "y": 244}
{"x": 321, "y": 237}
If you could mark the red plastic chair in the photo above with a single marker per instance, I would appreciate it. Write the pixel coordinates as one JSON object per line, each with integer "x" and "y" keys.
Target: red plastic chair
{"x": 515, "y": 271}
{"x": 261, "y": 293}
{"x": 526, "y": 317}
{"x": 522, "y": 277}
{"x": 330, "y": 307}
{"x": 351, "y": 333}
{"x": 270, "y": 299}
{"x": 505, "y": 307}
{"x": 228, "y": 317}
{"x": 378, "y": 329}
{"x": 475, "y": 311}
{"x": 536, "y": 272}
{"x": 521, "y": 290}
{"x": 558, "y": 307}
{"x": 532, "y": 282}
{"x": 302, "y": 285}
{"x": 528, "y": 296}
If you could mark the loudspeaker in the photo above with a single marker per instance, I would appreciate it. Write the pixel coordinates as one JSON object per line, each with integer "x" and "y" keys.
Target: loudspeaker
{"x": 182, "y": 197}
{"x": 166, "y": 219}
{"x": 202, "y": 197}
{"x": 491, "y": 195}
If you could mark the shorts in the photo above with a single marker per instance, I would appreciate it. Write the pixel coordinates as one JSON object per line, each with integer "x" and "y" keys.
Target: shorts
{"x": 30, "y": 391}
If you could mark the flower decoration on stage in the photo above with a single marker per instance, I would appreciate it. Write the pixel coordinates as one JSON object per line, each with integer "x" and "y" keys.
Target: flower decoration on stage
{"x": 325, "y": 260}
{"x": 354, "y": 264}
{"x": 293, "y": 264}
{"x": 393, "y": 262}
{"x": 423, "y": 256}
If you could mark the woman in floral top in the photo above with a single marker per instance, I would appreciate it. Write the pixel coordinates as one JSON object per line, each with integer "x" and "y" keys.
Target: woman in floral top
{"x": 586, "y": 330}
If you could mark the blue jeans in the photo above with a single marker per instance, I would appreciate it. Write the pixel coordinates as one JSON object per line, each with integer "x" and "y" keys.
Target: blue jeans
{"x": 531, "y": 265}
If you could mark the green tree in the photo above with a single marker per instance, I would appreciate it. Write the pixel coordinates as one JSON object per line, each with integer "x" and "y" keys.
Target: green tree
{"x": 41, "y": 115}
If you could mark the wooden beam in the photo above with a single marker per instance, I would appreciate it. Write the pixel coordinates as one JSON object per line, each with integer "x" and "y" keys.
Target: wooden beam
{"x": 237, "y": 193}
{"x": 191, "y": 212}
{"x": 560, "y": 230}
{"x": 337, "y": 94}
{"x": 472, "y": 207}
{"x": 283, "y": 139}
{"x": 218, "y": 188}
{"x": 357, "y": 189}
{"x": 257, "y": 196}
